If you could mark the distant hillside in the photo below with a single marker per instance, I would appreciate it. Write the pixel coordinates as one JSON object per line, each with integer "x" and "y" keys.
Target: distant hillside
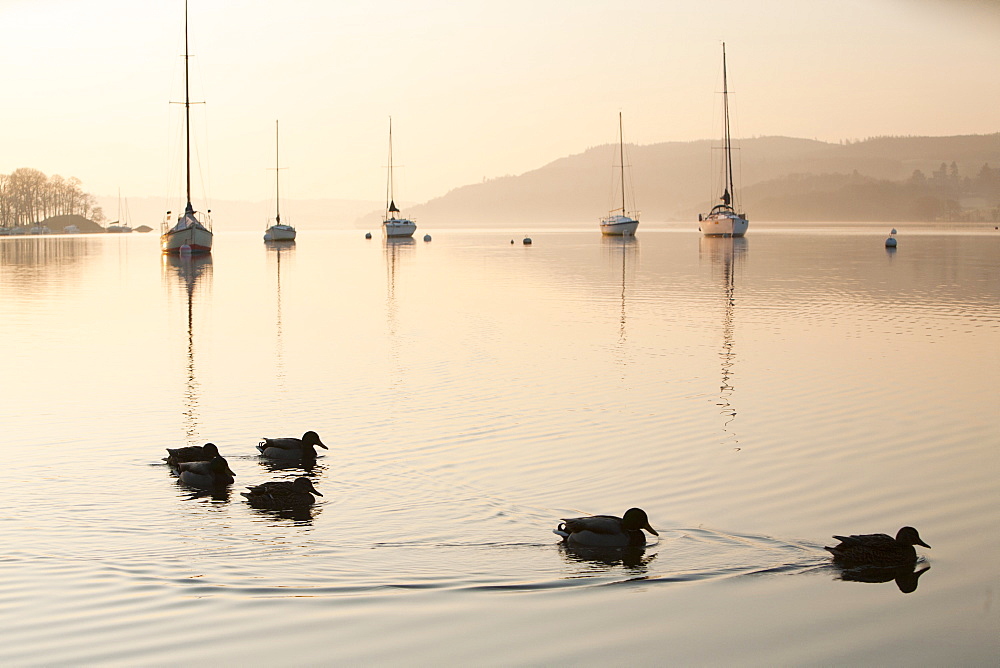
{"x": 782, "y": 179}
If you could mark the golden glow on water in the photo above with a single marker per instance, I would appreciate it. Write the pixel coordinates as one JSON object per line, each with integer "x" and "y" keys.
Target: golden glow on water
{"x": 754, "y": 396}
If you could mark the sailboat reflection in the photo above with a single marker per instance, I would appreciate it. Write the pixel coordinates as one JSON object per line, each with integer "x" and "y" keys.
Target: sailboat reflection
{"x": 395, "y": 249}
{"x": 622, "y": 251}
{"x": 904, "y": 576}
{"x": 189, "y": 275}
{"x": 726, "y": 254}
{"x": 279, "y": 248}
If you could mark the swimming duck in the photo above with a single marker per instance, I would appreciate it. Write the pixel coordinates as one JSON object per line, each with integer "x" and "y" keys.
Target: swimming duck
{"x": 282, "y": 494}
{"x": 606, "y": 530}
{"x": 878, "y": 549}
{"x": 291, "y": 448}
{"x": 192, "y": 453}
{"x": 206, "y": 475}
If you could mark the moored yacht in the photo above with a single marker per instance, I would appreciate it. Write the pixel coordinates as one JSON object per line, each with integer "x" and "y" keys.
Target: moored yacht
{"x": 725, "y": 219}
{"x": 188, "y": 233}
{"x": 278, "y": 231}
{"x": 619, "y": 222}
{"x": 393, "y": 226}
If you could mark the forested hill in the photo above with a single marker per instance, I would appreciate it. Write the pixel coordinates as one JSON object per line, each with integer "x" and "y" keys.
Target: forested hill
{"x": 782, "y": 178}
{"x": 28, "y": 196}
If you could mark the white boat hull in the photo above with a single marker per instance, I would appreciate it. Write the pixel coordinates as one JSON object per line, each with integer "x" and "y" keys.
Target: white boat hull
{"x": 197, "y": 238}
{"x": 280, "y": 233}
{"x": 619, "y": 226}
{"x": 398, "y": 227}
{"x": 724, "y": 225}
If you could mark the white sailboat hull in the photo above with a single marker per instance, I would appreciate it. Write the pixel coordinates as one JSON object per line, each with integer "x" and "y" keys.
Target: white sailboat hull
{"x": 724, "y": 225}
{"x": 194, "y": 235}
{"x": 398, "y": 227}
{"x": 619, "y": 226}
{"x": 280, "y": 233}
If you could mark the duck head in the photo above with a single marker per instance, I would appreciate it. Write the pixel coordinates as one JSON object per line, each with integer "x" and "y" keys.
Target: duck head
{"x": 635, "y": 518}
{"x": 304, "y": 484}
{"x": 909, "y": 536}
{"x": 312, "y": 438}
{"x": 220, "y": 466}
{"x": 210, "y": 449}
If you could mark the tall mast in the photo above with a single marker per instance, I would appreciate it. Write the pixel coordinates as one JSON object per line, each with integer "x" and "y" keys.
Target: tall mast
{"x": 725, "y": 106}
{"x": 621, "y": 158}
{"x": 388, "y": 185}
{"x": 187, "y": 112}
{"x": 277, "y": 170}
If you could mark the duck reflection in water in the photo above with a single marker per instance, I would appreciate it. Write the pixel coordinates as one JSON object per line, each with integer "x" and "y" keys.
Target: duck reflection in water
{"x": 904, "y": 576}
{"x": 217, "y": 494}
{"x": 307, "y": 466}
{"x": 299, "y": 514}
{"x": 634, "y": 559}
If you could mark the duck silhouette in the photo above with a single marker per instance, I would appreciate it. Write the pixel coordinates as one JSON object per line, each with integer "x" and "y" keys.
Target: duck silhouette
{"x": 878, "y": 549}
{"x": 606, "y": 530}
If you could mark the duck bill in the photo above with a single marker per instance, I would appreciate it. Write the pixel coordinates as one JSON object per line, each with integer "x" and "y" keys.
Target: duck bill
{"x": 316, "y": 493}
{"x": 650, "y": 530}
{"x": 321, "y": 445}
{"x": 920, "y": 542}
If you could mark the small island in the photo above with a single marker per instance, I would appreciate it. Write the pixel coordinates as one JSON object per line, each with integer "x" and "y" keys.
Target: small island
{"x": 33, "y": 203}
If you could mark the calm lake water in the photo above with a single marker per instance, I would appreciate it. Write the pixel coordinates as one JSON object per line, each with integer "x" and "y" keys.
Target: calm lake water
{"x": 754, "y": 396}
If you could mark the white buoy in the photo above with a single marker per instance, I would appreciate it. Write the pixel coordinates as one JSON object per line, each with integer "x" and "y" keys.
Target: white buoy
{"x": 185, "y": 250}
{"x": 368, "y": 235}
{"x": 427, "y": 237}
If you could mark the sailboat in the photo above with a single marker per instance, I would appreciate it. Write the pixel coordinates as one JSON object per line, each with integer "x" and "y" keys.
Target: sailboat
{"x": 278, "y": 231}
{"x": 391, "y": 225}
{"x": 615, "y": 223}
{"x": 724, "y": 220}
{"x": 187, "y": 234}
{"x": 121, "y": 226}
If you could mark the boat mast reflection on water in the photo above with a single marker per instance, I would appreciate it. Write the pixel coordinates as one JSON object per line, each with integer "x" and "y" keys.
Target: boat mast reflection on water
{"x": 278, "y": 248}
{"x": 395, "y": 248}
{"x": 622, "y": 251}
{"x": 189, "y": 275}
{"x": 725, "y": 254}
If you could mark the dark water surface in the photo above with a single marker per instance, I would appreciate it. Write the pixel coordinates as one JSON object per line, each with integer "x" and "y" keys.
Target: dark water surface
{"x": 754, "y": 396}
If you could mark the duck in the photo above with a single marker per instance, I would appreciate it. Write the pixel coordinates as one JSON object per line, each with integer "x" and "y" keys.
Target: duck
{"x": 878, "y": 549}
{"x": 192, "y": 453}
{"x": 282, "y": 494}
{"x": 606, "y": 530}
{"x": 206, "y": 475}
{"x": 291, "y": 448}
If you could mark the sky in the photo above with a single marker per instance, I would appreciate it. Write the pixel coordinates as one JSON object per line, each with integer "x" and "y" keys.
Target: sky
{"x": 475, "y": 89}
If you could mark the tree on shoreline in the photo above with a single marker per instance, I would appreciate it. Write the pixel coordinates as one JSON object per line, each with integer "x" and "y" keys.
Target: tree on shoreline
{"x": 28, "y": 197}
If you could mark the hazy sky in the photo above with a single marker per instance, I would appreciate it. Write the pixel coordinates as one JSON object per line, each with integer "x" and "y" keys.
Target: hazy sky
{"x": 476, "y": 89}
